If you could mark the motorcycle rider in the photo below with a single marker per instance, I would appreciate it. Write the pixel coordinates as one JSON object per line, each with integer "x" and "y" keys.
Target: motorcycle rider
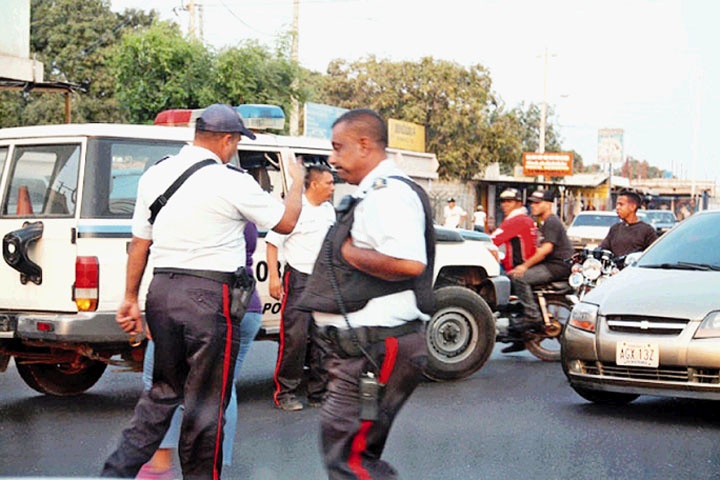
{"x": 631, "y": 234}
{"x": 546, "y": 265}
{"x": 518, "y": 234}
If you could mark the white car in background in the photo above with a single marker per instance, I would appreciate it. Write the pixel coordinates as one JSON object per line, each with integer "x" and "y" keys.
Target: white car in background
{"x": 589, "y": 228}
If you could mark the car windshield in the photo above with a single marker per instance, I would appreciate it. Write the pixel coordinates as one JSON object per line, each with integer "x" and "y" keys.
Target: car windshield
{"x": 595, "y": 220}
{"x": 659, "y": 217}
{"x": 694, "y": 243}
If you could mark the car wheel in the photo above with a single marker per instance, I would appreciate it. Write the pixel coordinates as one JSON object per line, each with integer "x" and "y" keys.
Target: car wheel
{"x": 460, "y": 335}
{"x": 605, "y": 398}
{"x": 62, "y": 379}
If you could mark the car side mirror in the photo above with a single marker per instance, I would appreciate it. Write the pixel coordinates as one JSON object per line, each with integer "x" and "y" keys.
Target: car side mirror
{"x": 631, "y": 259}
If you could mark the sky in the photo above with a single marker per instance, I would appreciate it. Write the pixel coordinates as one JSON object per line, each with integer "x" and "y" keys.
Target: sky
{"x": 648, "y": 67}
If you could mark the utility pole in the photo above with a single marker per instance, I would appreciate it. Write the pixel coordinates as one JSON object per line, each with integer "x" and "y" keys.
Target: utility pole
{"x": 195, "y": 25}
{"x": 191, "y": 24}
{"x": 543, "y": 111}
{"x": 294, "y": 105}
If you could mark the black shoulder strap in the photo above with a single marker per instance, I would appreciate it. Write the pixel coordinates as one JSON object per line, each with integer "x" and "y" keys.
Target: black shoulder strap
{"x": 426, "y": 301}
{"x": 160, "y": 201}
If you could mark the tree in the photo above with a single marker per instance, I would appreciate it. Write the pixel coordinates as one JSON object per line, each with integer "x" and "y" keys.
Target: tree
{"x": 73, "y": 39}
{"x": 465, "y": 126}
{"x": 158, "y": 69}
{"x": 252, "y": 73}
{"x": 529, "y": 117}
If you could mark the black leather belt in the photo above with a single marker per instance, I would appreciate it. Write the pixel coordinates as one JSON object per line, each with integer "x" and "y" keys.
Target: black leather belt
{"x": 221, "y": 277}
{"x": 369, "y": 334}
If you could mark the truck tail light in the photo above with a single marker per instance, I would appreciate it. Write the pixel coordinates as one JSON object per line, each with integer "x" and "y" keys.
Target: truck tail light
{"x": 87, "y": 279}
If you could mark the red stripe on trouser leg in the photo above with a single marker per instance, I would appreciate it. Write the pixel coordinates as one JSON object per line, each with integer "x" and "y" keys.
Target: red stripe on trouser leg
{"x": 226, "y": 375}
{"x": 359, "y": 442}
{"x": 281, "y": 347}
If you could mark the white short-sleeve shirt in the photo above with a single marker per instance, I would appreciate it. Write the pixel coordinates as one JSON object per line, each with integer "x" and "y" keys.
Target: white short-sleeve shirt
{"x": 390, "y": 219}
{"x": 201, "y": 227}
{"x": 301, "y": 246}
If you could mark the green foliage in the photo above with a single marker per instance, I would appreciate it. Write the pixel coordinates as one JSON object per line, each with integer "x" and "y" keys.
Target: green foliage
{"x": 74, "y": 39}
{"x": 465, "y": 127}
{"x": 157, "y": 69}
{"x": 251, "y": 73}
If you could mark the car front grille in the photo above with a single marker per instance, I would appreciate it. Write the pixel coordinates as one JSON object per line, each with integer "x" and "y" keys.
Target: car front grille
{"x": 665, "y": 374}
{"x": 646, "y": 325}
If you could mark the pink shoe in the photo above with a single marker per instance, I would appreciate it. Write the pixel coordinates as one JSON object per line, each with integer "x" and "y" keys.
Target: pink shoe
{"x": 148, "y": 472}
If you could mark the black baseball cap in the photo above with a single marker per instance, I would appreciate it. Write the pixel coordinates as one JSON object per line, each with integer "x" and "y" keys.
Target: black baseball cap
{"x": 223, "y": 119}
{"x": 541, "y": 196}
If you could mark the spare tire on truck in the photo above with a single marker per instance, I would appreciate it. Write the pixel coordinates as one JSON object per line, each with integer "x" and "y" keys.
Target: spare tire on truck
{"x": 460, "y": 335}
{"x": 61, "y": 379}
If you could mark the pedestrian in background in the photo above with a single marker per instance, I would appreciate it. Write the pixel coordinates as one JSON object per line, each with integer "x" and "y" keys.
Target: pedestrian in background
{"x": 300, "y": 248}
{"x": 453, "y": 214}
{"x": 197, "y": 245}
{"x": 479, "y": 219}
{"x": 161, "y": 467}
{"x": 370, "y": 293}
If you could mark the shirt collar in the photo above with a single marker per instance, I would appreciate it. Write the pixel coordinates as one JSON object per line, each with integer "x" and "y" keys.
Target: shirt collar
{"x": 517, "y": 211}
{"x": 385, "y": 168}
{"x": 200, "y": 152}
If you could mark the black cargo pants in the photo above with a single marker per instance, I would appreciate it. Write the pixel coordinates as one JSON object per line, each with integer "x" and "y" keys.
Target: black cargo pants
{"x": 352, "y": 447}
{"x": 297, "y": 345}
{"x": 196, "y": 345}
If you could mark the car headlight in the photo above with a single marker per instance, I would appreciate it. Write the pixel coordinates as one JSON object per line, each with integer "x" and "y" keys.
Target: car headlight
{"x": 576, "y": 279}
{"x": 584, "y": 316}
{"x": 710, "y": 326}
{"x": 592, "y": 268}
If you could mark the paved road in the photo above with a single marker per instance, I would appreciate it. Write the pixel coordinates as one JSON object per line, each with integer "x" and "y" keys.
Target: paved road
{"x": 515, "y": 419}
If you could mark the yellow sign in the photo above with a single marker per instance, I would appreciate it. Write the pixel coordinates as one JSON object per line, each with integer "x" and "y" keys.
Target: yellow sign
{"x": 406, "y": 135}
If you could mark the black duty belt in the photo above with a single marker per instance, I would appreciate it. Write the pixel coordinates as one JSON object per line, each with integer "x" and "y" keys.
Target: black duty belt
{"x": 368, "y": 335}
{"x": 221, "y": 277}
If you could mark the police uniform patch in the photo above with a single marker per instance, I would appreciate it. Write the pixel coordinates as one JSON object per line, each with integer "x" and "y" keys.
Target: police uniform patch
{"x": 379, "y": 183}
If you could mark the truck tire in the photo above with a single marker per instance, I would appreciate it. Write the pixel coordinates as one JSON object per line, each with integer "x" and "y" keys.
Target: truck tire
{"x": 460, "y": 335}
{"x": 62, "y": 380}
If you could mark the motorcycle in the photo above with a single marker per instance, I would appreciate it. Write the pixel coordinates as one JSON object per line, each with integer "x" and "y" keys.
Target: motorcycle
{"x": 542, "y": 340}
{"x": 590, "y": 268}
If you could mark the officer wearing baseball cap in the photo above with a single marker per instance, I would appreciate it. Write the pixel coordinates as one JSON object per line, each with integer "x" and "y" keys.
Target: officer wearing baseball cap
{"x": 197, "y": 245}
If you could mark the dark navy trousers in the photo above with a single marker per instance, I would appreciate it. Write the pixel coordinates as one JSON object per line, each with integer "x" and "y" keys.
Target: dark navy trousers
{"x": 196, "y": 344}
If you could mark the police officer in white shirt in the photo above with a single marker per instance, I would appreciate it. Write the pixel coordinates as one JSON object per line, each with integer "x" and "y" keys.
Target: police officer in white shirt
{"x": 197, "y": 244}
{"x": 300, "y": 248}
{"x": 370, "y": 292}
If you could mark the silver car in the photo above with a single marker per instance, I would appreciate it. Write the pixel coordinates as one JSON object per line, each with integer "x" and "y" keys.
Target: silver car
{"x": 654, "y": 328}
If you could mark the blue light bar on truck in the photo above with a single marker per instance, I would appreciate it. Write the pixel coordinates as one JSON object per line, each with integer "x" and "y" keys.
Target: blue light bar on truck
{"x": 262, "y": 117}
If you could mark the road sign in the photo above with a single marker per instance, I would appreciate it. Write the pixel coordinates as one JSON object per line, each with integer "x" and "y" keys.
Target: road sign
{"x": 610, "y": 145}
{"x": 548, "y": 164}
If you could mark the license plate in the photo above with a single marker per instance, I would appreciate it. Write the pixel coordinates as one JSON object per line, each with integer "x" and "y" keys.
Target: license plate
{"x": 632, "y": 354}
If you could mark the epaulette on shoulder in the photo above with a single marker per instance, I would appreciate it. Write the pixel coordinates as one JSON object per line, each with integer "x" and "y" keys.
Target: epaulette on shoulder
{"x": 161, "y": 160}
{"x": 379, "y": 183}
{"x": 235, "y": 168}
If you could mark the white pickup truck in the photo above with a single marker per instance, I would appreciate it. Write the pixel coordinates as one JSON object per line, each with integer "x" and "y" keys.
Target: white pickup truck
{"x": 67, "y": 196}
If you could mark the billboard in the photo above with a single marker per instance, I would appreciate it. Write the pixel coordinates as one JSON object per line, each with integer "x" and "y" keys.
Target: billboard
{"x": 406, "y": 135}
{"x": 548, "y": 164}
{"x": 610, "y": 145}
{"x": 319, "y": 119}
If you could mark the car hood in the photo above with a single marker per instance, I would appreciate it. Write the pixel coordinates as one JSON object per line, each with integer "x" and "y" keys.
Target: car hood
{"x": 588, "y": 232}
{"x": 658, "y": 293}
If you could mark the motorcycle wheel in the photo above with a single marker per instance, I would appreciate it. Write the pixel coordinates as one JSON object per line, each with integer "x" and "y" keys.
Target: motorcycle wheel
{"x": 547, "y": 348}
{"x": 460, "y": 336}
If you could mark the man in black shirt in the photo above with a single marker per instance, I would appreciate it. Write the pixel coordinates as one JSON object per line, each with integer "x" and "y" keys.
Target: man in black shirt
{"x": 630, "y": 235}
{"x": 545, "y": 266}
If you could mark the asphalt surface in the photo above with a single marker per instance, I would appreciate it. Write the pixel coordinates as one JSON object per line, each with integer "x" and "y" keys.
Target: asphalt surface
{"x": 515, "y": 419}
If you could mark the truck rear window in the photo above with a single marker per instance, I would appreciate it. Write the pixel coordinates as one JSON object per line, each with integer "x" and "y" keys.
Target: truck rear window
{"x": 43, "y": 181}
